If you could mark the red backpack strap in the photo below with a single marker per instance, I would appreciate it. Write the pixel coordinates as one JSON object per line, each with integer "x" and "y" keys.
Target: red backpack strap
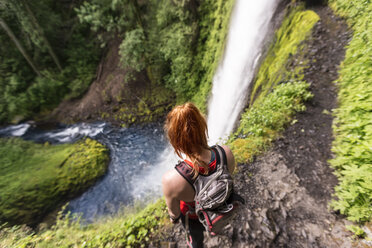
{"x": 185, "y": 170}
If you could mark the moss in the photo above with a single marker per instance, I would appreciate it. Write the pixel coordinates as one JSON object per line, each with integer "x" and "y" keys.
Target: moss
{"x": 36, "y": 178}
{"x": 287, "y": 43}
{"x": 150, "y": 106}
{"x": 263, "y": 122}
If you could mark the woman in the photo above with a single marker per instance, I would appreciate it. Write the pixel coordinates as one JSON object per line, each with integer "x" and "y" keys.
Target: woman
{"x": 187, "y": 132}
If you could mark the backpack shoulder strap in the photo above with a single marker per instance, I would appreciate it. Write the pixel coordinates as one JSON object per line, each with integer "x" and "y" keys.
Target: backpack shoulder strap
{"x": 220, "y": 152}
{"x": 185, "y": 170}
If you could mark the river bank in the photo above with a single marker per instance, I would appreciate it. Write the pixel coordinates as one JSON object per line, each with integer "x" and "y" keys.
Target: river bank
{"x": 38, "y": 178}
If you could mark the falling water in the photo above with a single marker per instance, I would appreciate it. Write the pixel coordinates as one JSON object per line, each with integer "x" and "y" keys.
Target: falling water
{"x": 248, "y": 27}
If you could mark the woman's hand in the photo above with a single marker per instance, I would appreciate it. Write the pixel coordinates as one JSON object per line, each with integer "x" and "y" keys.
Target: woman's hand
{"x": 175, "y": 220}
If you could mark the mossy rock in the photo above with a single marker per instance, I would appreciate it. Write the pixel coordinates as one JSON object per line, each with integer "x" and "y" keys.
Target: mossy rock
{"x": 37, "y": 178}
{"x": 287, "y": 45}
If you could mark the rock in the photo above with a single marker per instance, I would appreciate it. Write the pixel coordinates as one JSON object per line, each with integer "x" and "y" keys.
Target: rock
{"x": 276, "y": 205}
{"x": 246, "y": 226}
{"x": 282, "y": 195}
{"x": 267, "y": 232}
{"x": 304, "y": 233}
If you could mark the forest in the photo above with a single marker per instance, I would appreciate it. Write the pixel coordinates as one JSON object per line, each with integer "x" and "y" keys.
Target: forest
{"x": 128, "y": 62}
{"x": 51, "y": 49}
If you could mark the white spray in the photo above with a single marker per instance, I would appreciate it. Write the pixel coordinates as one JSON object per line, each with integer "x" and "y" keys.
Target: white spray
{"x": 248, "y": 27}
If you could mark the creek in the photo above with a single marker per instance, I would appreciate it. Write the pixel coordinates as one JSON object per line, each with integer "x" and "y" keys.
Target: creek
{"x": 136, "y": 162}
{"x": 140, "y": 155}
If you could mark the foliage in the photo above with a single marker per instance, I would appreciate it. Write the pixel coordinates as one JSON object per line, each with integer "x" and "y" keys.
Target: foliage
{"x": 107, "y": 15}
{"x": 82, "y": 57}
{"x": 173, "y": 38}
{"x": 184, "y": 45}
{"x": 152, "y": 104}
{"x": 287, "y": 42}
{"x": 213, "y": 26}
{"x": 352, "y": 124}
{"x": 35, "y": 178}
{"x": 177, "y": 43}
{"x": 263, "y": 122}
{"x": 133, "y": 50}
{"x": 123, "y": 230}
{"x": 358, "y": 232}
{"x": 24, "y": 94}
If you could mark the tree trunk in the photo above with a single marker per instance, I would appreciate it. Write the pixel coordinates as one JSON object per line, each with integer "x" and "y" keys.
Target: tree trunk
{"x": 139, "y": 21}
{"x": 19, "y": 46}
{"x": 41, "y": 32}
{"x": 135, "y": 8}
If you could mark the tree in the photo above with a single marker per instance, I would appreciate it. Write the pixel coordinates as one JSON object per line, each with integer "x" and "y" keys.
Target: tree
{"x": 42, "y": 35}
{"x": 19, "y": 46}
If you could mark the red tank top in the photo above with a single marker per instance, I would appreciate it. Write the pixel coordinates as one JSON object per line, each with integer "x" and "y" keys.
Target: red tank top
{"x": 185, "y": 206}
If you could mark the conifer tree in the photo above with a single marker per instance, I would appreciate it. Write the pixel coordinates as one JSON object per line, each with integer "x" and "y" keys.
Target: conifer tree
{"x": 41, "y": 33}
{"x": 19, "y": 46}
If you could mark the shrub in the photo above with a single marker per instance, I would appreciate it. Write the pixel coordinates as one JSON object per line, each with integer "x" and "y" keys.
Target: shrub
{"x": 352, "y": 124}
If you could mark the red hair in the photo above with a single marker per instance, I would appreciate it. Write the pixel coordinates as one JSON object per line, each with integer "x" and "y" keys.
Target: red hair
{"x": 187, "y": 132}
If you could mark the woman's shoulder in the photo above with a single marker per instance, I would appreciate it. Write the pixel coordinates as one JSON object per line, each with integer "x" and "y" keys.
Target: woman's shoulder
{"x": 226, "y": 148}
{"x": 230, "y": 158}
{"x": 175, "y": 186}
{"x": 170, "y": 177}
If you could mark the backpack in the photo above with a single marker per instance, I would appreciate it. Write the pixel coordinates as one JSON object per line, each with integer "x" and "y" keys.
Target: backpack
{"x": 215, "y": 202}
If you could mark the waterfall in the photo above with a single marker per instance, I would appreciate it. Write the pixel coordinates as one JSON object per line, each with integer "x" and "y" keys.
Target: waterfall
{"x": 248, "y": 27}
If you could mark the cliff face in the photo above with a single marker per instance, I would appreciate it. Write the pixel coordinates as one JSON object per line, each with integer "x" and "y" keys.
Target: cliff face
{"x": 114, "y": 98}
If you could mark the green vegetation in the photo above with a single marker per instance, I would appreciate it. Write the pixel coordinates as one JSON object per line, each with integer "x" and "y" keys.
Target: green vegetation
{"x": 213, "y": 26}
{"x": 184, "y": 45}
{"x": 358, "y": 232}
{"x": 282, "y": 92}
{"x": 352, "y": 125}
{"x": 287, "y": 43}
{"x": 123, "y": 230}
{"x": 35, "y": 178}
{"x": 46, "y": 56}
{"x": 153, "y": 102}
{"x": 263, "y": 122}
{"x": 51, "y": 49}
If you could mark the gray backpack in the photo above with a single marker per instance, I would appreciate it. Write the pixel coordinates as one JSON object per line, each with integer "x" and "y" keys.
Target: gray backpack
{"x": 215, "y": 202}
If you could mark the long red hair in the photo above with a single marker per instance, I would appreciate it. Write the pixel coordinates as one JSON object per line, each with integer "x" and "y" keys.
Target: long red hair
{"x": 187, "y": 132}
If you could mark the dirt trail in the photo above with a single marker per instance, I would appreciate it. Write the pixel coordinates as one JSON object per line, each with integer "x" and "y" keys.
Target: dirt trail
{"x": 289, "y": 188}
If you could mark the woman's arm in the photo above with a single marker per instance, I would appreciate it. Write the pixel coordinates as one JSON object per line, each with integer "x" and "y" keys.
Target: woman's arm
{"x": 170, "y": 190}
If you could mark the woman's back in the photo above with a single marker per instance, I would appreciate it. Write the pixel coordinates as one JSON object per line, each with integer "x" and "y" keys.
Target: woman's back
{"x": 187, "y": 132}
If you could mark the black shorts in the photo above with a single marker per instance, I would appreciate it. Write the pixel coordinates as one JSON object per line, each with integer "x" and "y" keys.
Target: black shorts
{"x": 196, "y": 232}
